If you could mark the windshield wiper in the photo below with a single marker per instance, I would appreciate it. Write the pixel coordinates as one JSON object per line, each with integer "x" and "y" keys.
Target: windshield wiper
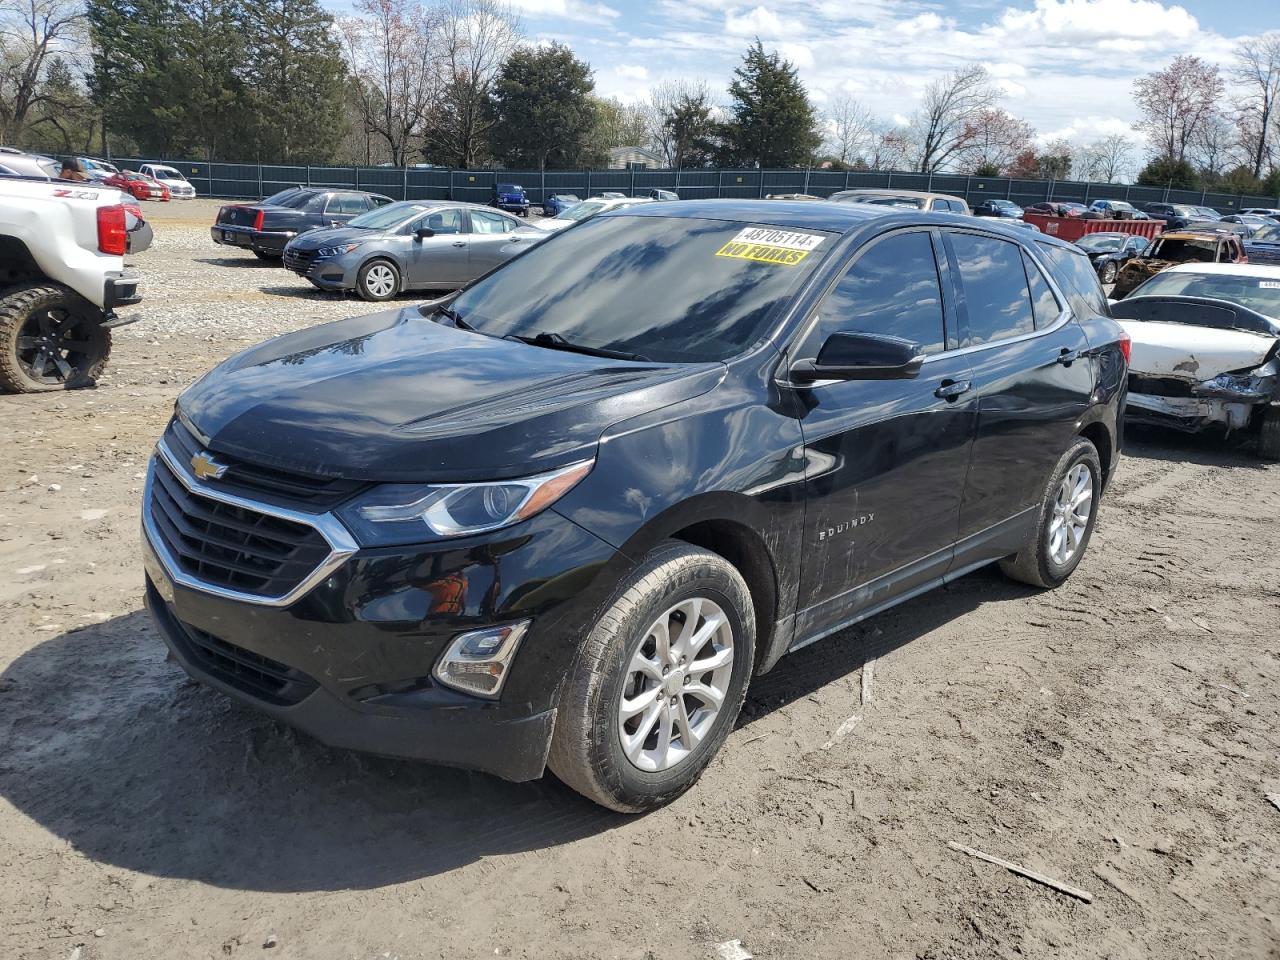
{"x": 455, "y": 317}
{"x": 554, "y": 341}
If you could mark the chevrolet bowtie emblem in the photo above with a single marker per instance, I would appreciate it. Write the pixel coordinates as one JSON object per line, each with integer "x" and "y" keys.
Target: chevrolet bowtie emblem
{"x": 206, "y": 468}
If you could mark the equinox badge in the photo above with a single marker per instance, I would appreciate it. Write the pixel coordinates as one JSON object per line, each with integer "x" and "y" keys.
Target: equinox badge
{"x": 206, "y": 468}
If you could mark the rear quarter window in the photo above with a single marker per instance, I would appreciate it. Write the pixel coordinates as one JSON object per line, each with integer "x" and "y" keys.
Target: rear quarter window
{"x": 1076, "y": 278}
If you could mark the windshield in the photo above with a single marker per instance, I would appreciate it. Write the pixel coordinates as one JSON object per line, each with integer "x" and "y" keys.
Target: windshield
{"x": 580, "y": 211}
{"x": 1208, "y": 212}
{"x": 1200, "y": 249}
{"x": 1260, "y": 295}
{"x": 391, "y": 215}
{"x": 510, "y": 188}
{"x": 168, "y": 173}
{"x": 670, "y": 289}
{"x": 1269, "y": 234}
{"x": 1099, "y": 243}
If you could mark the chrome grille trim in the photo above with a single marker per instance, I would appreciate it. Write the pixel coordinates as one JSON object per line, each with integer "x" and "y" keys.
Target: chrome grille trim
{"x": 341, "y": 544}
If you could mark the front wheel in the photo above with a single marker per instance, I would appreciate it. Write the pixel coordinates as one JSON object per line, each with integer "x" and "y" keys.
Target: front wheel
{"x": 1109, "y": 271}
{"x": 1064, "y": 522}
{"x": 265, "y": 255}
{"x": 378, "y": 280}
{"x": 658, "y": 682}
{"x": 1269, "y": 434}
{"x": 51, "y": 338}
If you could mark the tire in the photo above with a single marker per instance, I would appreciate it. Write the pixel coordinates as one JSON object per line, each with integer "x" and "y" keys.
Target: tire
{"x": 37, "y": 324}
{"x": 1038, "y": 562}
{"x": 587, "y": 750}
{"x": 264, "y": 255}
{"x": 1269, "y": 434}
{"x": 378, "y": 280}
{"x": 1109, "y": 271}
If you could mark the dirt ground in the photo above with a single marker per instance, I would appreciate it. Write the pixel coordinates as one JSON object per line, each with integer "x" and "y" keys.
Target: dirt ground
{"x": 1119, "y": 735}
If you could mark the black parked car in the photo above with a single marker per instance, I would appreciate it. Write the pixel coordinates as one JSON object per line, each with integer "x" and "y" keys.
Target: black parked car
{"x": 1108, "y": 252}
{"x": 1175, "y": 215}
{"x": 266, "y": 226}
{"x": 503, "y": 531}
{"x": 998, "y": 208}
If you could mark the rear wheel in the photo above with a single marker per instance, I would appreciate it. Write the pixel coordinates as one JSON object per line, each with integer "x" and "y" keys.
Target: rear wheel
{"x": 51, "y": 338}
{"x": 1269, "y": 434}
{"x": 658, "y": 683}
{"x": 1064, "y": 522}
{"x": 378, "y": 280}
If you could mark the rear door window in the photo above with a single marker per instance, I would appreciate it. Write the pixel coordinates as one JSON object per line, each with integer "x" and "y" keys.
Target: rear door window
{"x": 994, "y": 281}
{"x": 890, "y": 289}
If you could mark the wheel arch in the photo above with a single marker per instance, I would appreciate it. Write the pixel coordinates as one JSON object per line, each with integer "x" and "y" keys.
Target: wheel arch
{"x": 1099, "y": 435}
{"x": 390, "y": 258}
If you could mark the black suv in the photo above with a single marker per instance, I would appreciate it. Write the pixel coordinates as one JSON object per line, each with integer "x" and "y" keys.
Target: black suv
{"x": 267, "y": 226}
{"x": 504, "y": 532}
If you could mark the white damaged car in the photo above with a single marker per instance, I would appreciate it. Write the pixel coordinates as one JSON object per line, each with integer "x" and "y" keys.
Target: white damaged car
{"x": 1206, "y": 349}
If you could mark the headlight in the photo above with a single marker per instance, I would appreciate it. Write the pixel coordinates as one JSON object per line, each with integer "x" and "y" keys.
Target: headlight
{"x": 398, "y": 513}
{"x": 336, "y": 251}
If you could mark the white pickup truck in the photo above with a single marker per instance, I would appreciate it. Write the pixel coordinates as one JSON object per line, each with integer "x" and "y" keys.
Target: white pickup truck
{"x": 62, "y": 274}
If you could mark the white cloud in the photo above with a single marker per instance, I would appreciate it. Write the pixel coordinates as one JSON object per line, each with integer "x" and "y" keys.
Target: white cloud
{"x": 1144, "y": 22}
{"x": 761, "y": 22}
{"x": 580, "y": 10}
{"x": 631, "y": 72}
{"x": 800, "y": 55}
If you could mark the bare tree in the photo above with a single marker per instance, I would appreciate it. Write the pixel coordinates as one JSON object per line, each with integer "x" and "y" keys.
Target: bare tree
{"x": 889, "y": 149}
{"x": 1176, "y": 102}
{"x": 31, "y": 31}
{"x": 993, "y": 140}
{"x": 1215, "y": 144}
{"x": 678, "y": 116}
{"x": 849, "y": 127}
{"x": 943, "y": 125}
{"x": 1257, "y": 70}
{"x": 1107, "y": 160}
{"x": 392, "y": 48}
{"x": 477, "y": 36}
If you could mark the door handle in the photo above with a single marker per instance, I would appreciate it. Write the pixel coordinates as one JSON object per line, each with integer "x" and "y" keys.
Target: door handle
{"x": 459, "y": 243}
{"x": 1067, "y": 356}
{"x": 951, "y": 389}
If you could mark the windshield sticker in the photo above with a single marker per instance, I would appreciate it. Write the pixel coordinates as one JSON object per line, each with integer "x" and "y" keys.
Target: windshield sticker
{"x": 1269, "y": 284}
{"x": 767, "y": 245}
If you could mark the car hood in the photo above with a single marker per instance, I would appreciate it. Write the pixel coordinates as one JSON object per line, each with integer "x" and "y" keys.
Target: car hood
{"x": 1192, "y": 353}
{"x": 397, "y": 397}
{"x": 331, "y": 236}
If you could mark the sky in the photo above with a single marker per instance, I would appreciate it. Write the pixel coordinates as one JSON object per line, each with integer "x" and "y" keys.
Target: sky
{"x": 1064, "y": 65}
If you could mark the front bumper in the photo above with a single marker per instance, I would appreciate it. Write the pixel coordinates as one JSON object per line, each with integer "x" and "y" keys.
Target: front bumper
{"x": 1190, "y": 414}
{"x": 350, "y": 660}
{"x": 263, "y": 241}
{"x": 330, "y": 273}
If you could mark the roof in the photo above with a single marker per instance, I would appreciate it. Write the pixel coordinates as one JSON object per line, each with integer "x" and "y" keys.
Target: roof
{"x": 1195, "y": 233}
{"x": 825, "y": 215}
{"x": 1259, "y": 270}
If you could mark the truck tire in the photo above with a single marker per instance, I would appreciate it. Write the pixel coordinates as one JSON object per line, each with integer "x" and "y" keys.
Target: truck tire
{"x": 1064, "y": 522}
{"x": 51, "y": 338}
{"x": 1269, "y": 434}
{"x": 638, "y": 722}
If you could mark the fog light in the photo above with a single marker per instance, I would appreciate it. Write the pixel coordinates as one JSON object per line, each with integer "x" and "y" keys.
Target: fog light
{"x": 478, "y": 662}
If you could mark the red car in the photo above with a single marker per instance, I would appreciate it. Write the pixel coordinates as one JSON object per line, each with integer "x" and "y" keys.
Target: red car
{"x": 143, "y": 188}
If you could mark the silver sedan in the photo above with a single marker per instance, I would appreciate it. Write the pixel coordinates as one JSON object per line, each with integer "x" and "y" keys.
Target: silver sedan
{"x": 411, "y": 245}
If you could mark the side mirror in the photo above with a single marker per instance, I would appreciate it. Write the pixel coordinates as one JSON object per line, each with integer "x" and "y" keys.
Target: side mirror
{"x": 422, "y": 233}
{"x": 861, "y": 356}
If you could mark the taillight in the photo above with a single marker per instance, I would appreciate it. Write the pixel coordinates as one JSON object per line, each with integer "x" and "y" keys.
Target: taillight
{"x": 257, "y": 221}
{"x": 222, "y": 215}
{"x": 113, "y": 237}
{"x": 1126, "y": 345}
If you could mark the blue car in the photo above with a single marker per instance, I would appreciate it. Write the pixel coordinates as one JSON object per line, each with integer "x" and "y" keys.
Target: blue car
{"x": 556, "y": 203}
{"x": 510, "y": 197}
{"x": 1264, "y": 245}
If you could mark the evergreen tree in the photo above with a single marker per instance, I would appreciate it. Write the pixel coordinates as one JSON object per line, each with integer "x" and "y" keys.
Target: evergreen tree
{"x": 542, "y": 110}
{"x": 295, "y": 78}
{"x": 1166, "y": 172}
{"x": 774, "y": 124}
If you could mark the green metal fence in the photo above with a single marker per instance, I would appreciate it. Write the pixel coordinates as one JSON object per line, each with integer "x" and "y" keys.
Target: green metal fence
{"x": 251, "y": 181}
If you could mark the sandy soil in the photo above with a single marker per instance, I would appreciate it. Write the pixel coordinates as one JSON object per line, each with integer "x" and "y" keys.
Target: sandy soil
{"x": 1119, "y": 735}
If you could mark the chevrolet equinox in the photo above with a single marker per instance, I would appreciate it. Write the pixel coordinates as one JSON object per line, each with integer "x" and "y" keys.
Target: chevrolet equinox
{"x": 562, "y": 517}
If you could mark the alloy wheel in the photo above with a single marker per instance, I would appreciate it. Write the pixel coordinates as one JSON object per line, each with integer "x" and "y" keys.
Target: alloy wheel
{"x": 676, "y": 684}
{"x": 54, "y": 345}
{"x": 1069, "y": 518}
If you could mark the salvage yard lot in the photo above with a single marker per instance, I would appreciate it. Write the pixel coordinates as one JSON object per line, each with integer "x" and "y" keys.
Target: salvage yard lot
{"x": 1119, "y": 735}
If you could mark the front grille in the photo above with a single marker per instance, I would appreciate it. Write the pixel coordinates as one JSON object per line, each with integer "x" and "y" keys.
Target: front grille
{"x": 245, "y": 670}
{"x": 232, "y": 546}
{"x": 300, "y": 490}
{"x": 299, "y": 261}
